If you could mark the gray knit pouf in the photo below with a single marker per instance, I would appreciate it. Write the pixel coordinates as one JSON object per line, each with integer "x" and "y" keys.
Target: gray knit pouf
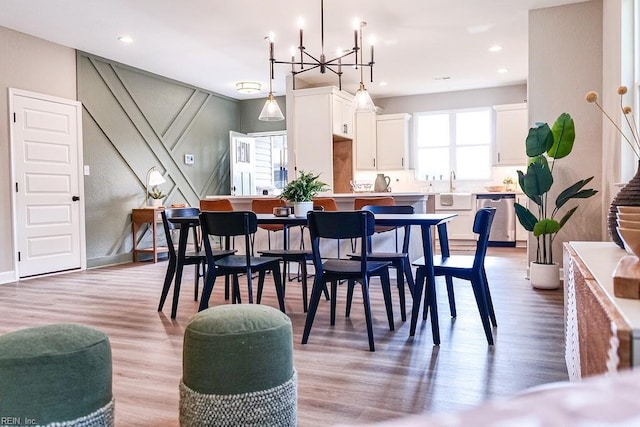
{"x": 238, "y": 368}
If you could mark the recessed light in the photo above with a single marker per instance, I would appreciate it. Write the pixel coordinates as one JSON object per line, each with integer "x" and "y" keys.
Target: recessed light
{"x": 495, "y": 48}
{"x": 248, "y": 87}
{"x": 502, "y": 70}
{"x": 126, "y": 39}
{"x": 382, "y": 84}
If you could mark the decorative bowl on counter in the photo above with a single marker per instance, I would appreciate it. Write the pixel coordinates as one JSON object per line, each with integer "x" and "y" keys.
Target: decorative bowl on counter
{"x": 496, "y": 188}
{"x": 361, "y": 187}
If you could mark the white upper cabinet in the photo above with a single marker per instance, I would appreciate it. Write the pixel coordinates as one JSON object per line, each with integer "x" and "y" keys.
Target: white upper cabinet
{"x": 382, "y": 141}
{"x": 511, "y": 133}
{"x": 365, "y": 139}
{"x": 342, "y": 114}
{"x": 392, "y": 141}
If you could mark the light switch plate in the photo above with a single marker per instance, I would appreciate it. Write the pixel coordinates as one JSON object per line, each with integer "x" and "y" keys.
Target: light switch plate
{"x": 188, "y": 159}
{"x": 87, "y": 170}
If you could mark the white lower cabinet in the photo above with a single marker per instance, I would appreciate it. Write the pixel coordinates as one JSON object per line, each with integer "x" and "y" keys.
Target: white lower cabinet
{"x": 460, "y": 228}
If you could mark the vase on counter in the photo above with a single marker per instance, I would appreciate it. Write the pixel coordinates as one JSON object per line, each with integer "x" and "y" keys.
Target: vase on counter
{"x": 381, "y": 184}
{"x": 629, "y": 195}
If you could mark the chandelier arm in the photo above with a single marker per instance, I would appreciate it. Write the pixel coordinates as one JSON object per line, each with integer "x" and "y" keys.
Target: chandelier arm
{"x": 305, "y": 69}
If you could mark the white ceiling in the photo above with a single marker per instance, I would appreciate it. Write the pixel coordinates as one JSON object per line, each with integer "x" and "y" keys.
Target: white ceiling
{"x": 214, "y": 44}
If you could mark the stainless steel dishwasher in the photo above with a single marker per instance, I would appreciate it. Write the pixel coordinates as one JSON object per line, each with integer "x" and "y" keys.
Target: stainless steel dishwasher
{"x": 503, "y": 228}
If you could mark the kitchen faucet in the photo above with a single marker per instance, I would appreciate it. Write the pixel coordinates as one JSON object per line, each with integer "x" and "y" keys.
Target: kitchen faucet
{"x": 452, "y": 176}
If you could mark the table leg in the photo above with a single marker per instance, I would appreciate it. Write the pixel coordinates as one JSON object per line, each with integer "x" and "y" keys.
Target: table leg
{"x": 155, "y": 243}
{"x": 182, "y": 249}
{"x": 430, "y": 285}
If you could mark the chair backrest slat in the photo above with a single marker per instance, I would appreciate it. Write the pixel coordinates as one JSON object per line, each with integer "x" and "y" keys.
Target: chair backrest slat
{"x": 340, "y": 225}
{"x": 482, "y": 226}
{"x": 235, "y": 223}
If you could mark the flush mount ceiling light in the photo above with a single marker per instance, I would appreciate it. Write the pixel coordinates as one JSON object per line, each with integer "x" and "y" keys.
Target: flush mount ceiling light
{"x": 306, "y": 62}
{"x": 248, "y": 87}
{"x": 126, "y": 39}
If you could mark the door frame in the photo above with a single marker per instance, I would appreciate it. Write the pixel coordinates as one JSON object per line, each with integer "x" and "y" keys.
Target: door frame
{"x": 80, "y": 167}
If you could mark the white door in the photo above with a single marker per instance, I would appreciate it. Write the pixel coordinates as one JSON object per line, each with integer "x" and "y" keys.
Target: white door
{"x": 243, "y": 164}
{"x": 46, "y": 151}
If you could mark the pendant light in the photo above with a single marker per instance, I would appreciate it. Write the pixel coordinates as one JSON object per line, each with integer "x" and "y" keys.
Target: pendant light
{"x": 362, "y": 102}
{"x": 271, "y": 111}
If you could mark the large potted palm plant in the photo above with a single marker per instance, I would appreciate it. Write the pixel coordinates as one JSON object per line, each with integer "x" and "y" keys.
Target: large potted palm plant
{"x": 544, "y": 143}
{"x": 301, "y": 192}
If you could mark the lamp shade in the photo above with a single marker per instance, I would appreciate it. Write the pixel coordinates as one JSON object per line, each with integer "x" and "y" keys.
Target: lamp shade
{"x": 271, "y": 111}
{"x": 155, "y": 178}
{"x": 362, "y": 101}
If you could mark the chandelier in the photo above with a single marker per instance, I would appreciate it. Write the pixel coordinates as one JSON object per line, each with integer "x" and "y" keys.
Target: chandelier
{"x": 307, "y": 62}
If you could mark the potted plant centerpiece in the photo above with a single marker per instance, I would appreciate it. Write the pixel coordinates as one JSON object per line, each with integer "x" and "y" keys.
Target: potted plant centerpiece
{"x": 544, "y": 143}
{"x": 301, "y": 192}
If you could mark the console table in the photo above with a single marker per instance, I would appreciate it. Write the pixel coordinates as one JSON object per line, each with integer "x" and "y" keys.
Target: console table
{"x": 601, "y": 330}
{"x": 146, "y": 216}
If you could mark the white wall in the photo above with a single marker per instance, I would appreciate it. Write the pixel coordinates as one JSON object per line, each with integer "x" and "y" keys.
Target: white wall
{"x": 453, "y": 100}
{"x": 565, "y": 62}
{"x": 35, "y": 65}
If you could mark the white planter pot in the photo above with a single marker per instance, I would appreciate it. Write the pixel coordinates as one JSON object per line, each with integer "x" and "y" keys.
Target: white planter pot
{"x": 156, "y": 203}
{"x": 544, "y": 276}
{"x": 300, "y": 209}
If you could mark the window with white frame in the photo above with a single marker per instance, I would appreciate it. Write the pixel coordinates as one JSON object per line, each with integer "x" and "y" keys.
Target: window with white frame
{"x": 454, "y": 140}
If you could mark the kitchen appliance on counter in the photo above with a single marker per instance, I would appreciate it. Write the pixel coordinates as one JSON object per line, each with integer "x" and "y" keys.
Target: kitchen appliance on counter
{"x": 503, "y": 229}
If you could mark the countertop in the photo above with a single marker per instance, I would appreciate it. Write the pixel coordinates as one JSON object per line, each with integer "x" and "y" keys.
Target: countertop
{"x": 415, "y": 194}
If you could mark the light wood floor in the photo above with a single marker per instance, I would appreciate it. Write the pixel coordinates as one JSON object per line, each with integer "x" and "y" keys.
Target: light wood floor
{"x": 339, "y": 380}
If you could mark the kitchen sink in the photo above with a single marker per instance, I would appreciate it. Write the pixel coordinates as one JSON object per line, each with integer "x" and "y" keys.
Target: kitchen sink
{"x": 455, "y": 201}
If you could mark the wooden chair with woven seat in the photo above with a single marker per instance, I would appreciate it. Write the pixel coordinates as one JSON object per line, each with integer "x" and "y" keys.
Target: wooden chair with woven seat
{"x": 345, "y": 225}
{"x": 399, "y": 260}
{"x": 467, "y": 267}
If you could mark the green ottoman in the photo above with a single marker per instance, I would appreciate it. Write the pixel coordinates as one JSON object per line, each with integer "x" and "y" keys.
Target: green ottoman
{"x": 237, "y": 368}
{"x": 56, "y": 375}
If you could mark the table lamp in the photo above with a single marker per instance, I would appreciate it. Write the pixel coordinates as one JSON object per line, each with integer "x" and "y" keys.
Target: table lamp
{"x": 153, "y": 178}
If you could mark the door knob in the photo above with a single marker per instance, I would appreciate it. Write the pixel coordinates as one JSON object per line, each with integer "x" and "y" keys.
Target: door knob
{"x": 75, "y": 198}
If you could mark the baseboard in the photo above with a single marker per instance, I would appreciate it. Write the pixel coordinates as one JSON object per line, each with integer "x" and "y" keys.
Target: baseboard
{"x": 7, "y": 277}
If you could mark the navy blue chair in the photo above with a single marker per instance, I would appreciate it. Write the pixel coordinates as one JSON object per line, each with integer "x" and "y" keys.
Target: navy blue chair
{"x": 229, "y": 224}
{"x": 345, "y": 225}
{"x": 399, "y": 260}
{"x": 196, "y": 256}
{"x": 467, "y": 267}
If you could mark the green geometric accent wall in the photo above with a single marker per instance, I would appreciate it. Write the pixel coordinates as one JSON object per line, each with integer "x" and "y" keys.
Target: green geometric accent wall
{"x": 132, "y": 121}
